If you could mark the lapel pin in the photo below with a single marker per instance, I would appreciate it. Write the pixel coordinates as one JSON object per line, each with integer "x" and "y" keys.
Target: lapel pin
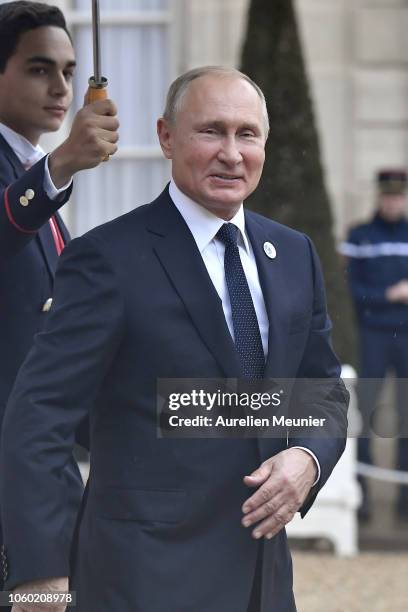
{"x": 269, "y": 250}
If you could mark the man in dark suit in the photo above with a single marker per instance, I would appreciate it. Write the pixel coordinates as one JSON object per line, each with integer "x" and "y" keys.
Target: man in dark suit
{"x": 188, "y": 286}
{"x": 37, "y": 62}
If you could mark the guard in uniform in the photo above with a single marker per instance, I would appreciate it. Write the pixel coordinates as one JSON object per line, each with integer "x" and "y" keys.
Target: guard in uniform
{"x": 36, "y": 69}
{"x": 378, "y": 277}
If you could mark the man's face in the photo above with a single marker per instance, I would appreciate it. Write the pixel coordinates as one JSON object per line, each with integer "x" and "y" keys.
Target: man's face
{"x": 217, "y": 143}
{"x": 36, "y": 86}
{"x": 391, "y": 206}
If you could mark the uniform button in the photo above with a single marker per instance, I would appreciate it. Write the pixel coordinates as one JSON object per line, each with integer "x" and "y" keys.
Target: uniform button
{"x": 29, "y": 194}
{"x": 47, "y": 305}
{"x": 24, "y": 201}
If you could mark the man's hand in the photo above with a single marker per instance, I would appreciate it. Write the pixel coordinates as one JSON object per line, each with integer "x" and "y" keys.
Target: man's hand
{"x": 93, "y": 136}
{"x": 398, "y": 292}
{"x": 51, "y": 585}
{"x": 284, "y": 482}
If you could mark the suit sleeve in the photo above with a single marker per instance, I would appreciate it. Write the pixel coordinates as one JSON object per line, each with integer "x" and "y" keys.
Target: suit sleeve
{"x": 54, "y": 391}
{"x": 321, "y": 388}
{"x": 20, "y": 216}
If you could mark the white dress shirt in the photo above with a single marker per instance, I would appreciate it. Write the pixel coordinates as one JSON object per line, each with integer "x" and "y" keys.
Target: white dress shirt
{"x": 29, "y": 155}
{"x": 204, "y": 226}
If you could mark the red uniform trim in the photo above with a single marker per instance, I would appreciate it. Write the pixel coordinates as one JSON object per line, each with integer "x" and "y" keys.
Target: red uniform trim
{"x": 56, "y": 234}
{"x": 10, "y": 216}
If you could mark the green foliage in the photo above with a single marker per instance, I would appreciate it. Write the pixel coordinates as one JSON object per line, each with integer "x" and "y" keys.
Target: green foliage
{"x": 292, "y": 190}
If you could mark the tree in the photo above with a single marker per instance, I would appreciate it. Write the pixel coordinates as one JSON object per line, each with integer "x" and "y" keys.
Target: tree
{"x": 292, "y": 190}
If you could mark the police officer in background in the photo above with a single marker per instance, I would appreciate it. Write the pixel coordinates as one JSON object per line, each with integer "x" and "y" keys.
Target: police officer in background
{"x": 378, "y": 278}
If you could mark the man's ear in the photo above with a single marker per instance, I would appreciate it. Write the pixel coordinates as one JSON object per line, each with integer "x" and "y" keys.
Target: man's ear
{"x": 164, "y": 133}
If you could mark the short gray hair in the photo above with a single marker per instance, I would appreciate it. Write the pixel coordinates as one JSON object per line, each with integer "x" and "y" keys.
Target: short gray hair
{"x": 180, "y": 86}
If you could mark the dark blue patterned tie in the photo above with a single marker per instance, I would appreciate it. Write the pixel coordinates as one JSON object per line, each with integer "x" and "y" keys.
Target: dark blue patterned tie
{"x": 248, "y": 341}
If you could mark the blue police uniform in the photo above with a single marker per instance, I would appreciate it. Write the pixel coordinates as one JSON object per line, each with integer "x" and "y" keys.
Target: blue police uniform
{"x": 378, "y": 259}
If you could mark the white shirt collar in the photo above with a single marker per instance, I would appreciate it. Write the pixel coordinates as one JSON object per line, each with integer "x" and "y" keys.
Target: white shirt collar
{"x": 201, "y": 222}
{"x": 26, "y": 152}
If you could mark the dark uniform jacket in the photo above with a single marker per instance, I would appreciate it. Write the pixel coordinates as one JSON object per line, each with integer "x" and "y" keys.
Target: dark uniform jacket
{"x": 28, "y": 260}
{"x": 378, "y": 258}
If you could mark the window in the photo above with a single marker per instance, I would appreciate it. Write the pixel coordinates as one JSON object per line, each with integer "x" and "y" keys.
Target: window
{"x": 138, "y": 57}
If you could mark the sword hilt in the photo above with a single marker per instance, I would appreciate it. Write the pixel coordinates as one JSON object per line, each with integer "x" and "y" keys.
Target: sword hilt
{"x": 97, "y": 90}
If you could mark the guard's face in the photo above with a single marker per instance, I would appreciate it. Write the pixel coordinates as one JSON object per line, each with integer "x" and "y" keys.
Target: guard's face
{"x": 217, "y": 144}
{"x": 36, "y": 86}
{"x": 392, "y": 206}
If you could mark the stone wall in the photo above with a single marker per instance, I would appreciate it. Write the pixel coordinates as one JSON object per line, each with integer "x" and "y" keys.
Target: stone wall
{"x": 357, "y": 58}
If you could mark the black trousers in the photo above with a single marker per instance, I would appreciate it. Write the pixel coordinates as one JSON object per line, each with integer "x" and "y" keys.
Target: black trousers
{"x": 256, "y": 593}
{"x": 381, "y": 350}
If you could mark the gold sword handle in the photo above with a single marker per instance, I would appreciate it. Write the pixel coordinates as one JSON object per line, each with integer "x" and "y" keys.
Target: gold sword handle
{"x": 97, "y": 91}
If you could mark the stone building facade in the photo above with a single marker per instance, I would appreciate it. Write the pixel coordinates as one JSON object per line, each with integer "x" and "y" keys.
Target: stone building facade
{"x": 357, "y": 60}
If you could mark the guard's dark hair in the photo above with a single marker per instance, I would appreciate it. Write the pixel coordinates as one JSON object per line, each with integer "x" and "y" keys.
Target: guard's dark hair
{"x": 19, "y": 17}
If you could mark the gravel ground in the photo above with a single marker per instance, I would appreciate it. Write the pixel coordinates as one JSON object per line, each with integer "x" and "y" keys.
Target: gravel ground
{"x": 370, "y": 582}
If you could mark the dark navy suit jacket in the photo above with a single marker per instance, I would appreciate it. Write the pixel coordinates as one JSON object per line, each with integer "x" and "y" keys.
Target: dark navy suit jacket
{"x": 160, "y": 528}
{"x": 28, "y": 260}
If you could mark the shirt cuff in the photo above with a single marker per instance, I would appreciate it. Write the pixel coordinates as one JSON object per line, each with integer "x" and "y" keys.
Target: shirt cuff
{"x": 316, "y": 462}
{"x": 49, "y": 187}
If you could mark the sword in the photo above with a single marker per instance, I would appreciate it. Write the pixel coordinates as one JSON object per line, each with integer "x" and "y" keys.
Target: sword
{"x": 97, "y": 84}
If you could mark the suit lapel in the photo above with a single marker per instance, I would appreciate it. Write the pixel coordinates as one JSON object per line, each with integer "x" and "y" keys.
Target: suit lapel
{"x": 274, "y": 288}
{"x": 177, "y": 251}
{"x": 48, "y": 248}
{"x": 47, "y": 242}
{"x": 64, "y": 232}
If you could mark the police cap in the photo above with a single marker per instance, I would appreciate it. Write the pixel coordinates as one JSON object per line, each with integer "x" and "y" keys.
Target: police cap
{"x": 392, "y": 181}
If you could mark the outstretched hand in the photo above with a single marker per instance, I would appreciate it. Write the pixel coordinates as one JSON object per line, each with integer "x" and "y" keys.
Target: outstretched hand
{"x": 283, "y": 483}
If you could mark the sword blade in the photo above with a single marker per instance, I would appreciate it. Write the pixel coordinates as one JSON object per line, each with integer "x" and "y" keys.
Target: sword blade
{"x": 96, "y": 29}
